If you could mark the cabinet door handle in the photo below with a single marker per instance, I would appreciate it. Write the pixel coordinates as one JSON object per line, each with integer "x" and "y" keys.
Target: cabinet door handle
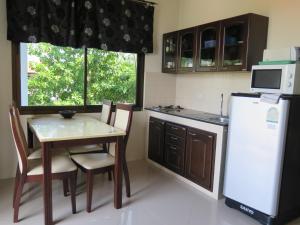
{"x": 162, "y": 123}
{"x": 174, "y": 138}
{"x": 193, "y": 134}
{"x": 174, "y": 128}
{"x": 172, "y": 147}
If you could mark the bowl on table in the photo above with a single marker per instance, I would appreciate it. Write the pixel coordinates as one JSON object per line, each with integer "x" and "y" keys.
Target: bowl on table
{"x": 67, "y": 114}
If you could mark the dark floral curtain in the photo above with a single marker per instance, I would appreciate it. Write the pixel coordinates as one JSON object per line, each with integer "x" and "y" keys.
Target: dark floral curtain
{"x": 113, "y": 25}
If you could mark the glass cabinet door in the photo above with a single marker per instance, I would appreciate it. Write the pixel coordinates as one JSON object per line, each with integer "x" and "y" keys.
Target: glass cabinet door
{"x": 208, "y": 47}
{"x": 170, "y": 52}
{"x": 234, "y": 45}
{"x": 187, "y": 50}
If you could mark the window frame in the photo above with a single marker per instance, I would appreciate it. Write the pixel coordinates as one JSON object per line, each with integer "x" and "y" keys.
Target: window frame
{"x": 25, "y": 110}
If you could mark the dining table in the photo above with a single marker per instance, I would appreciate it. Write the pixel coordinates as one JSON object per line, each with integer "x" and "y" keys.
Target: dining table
{"x": 54, "y": 133}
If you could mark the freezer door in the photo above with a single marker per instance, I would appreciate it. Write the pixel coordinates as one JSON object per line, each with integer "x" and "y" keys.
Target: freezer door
{"x": 255, "y": 152}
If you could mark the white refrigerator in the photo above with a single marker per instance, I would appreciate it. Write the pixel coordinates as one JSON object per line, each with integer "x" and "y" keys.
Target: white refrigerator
{"x": 255, "y": 155}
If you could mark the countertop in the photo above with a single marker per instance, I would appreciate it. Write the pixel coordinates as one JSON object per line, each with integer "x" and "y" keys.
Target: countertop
{"x": 193, "y": 115}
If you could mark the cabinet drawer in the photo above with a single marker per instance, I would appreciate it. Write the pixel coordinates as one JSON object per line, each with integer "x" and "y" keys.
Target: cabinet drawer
{"x": 175, "y": 140}
{"x": 174, "y": 158}
{"x": 175, "y": 129}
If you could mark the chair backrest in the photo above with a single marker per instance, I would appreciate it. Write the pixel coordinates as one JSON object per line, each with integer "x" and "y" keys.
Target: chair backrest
{"x": 106, "y": 111}
{"x": 123, "y": 120}
{"x": 19, "y": 140}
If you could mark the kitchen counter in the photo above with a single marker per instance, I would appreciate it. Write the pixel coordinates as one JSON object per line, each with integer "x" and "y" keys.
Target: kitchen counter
{"x": 193, "y": 115}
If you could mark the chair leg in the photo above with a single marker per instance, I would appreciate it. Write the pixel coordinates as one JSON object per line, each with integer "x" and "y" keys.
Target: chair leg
{"x": 65, "y": 187}
{"x": 126, "y": 176}
{"x": 73, "y": 192}
{"x": 18, "y": 198}
{"x": 17, "y": 181}
{"x": 89, "y": 191}
{"x": 109, "y": 175}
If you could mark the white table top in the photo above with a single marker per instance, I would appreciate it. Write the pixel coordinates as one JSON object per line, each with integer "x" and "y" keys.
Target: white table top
{"x": 50, "y": 128}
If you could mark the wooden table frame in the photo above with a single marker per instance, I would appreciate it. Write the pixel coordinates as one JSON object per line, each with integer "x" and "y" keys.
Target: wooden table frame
{"x": 47, "y": 148}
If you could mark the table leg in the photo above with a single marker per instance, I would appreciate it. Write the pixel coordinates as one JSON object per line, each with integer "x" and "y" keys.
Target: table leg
{"x": 47, "y": 183}
{"x": 29, "y": 137}
{"x": 118, "y": 173}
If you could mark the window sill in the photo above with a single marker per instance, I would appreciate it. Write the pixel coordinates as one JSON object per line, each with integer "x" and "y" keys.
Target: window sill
{"x": 34, "y": 110}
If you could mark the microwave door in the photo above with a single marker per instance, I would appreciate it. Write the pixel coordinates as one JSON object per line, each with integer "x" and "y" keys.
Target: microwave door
{"x": 267, "y": 80}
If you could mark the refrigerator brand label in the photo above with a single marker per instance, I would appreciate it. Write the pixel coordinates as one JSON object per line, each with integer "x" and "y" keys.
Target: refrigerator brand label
{"x": 246, "y": 209}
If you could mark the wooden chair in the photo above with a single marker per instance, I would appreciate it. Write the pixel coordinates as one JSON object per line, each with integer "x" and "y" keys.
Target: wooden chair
{"x": 36, "y": 153}
{"x": 105, "y": 117}
{"x": 31, "y": 170}
{"x": 96, "y": 163}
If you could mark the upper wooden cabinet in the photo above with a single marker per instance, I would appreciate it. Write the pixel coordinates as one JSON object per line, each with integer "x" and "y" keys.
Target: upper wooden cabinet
{"x": 170, "y": 52}
{"x": 243, "y": 40}
{"x": 187, "y": 50}
{"x": 208, "y": 42}
{"x": 233, "y": 44}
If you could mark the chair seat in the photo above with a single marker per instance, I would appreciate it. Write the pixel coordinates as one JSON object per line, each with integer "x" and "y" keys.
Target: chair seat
{"x": 60, "y": 164}
{"x": 85, "y": 149}
{"x": 37, "y": 153}
{"x": 94, "y": 160}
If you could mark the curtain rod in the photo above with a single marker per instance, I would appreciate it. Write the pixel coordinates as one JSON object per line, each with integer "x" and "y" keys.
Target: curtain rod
{"x": 144, "y": 2}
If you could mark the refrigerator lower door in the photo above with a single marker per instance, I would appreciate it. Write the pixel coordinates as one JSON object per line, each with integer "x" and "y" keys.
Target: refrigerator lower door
{"x": 255, "y": 150}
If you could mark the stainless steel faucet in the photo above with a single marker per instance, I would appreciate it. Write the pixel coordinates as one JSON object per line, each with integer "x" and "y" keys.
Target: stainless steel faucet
{"x": 221, "y": 107}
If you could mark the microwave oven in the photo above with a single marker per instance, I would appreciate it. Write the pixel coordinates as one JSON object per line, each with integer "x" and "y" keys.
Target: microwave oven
{"x": 277, "y": 79}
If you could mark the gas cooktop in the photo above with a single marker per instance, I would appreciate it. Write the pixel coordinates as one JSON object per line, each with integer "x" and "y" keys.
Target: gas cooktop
{"x": 169, "y": 108}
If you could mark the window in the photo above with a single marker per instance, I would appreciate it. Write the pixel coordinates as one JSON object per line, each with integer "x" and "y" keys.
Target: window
{"x": 50, "y": 78}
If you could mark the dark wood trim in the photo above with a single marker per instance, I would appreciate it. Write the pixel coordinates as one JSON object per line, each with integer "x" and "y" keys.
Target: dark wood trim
{"x": 32, "y": 110}
{"x": 85, "y": 78}
{"x": 139, "y": 102}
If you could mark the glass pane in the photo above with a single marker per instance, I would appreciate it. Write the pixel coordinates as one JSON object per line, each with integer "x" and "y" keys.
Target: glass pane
{"x": 112, "y": 76}
{"x": 51, "y": 75}
{"x": 170, "y": 52}
{"x": 234, "y": 45}
{"x": 208, "y": 47}
{"x": 187, "y": 41}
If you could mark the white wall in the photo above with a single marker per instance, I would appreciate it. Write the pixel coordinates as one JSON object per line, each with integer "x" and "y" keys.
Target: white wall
{"x": 7, "y": 154}
{"x": 202, "y": 91}
{"x": 160, "y": 87}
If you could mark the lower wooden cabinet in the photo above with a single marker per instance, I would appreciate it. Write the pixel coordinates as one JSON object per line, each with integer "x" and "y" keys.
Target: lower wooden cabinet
{"x": 184, "y": 150}
{"x": 200, "y": 151}
{"x": 156, "y": 140}
{"x": 174, "y": 158}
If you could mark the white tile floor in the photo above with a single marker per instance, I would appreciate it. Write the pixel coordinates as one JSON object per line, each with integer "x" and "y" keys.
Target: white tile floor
{"x": 157, "y": 199}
